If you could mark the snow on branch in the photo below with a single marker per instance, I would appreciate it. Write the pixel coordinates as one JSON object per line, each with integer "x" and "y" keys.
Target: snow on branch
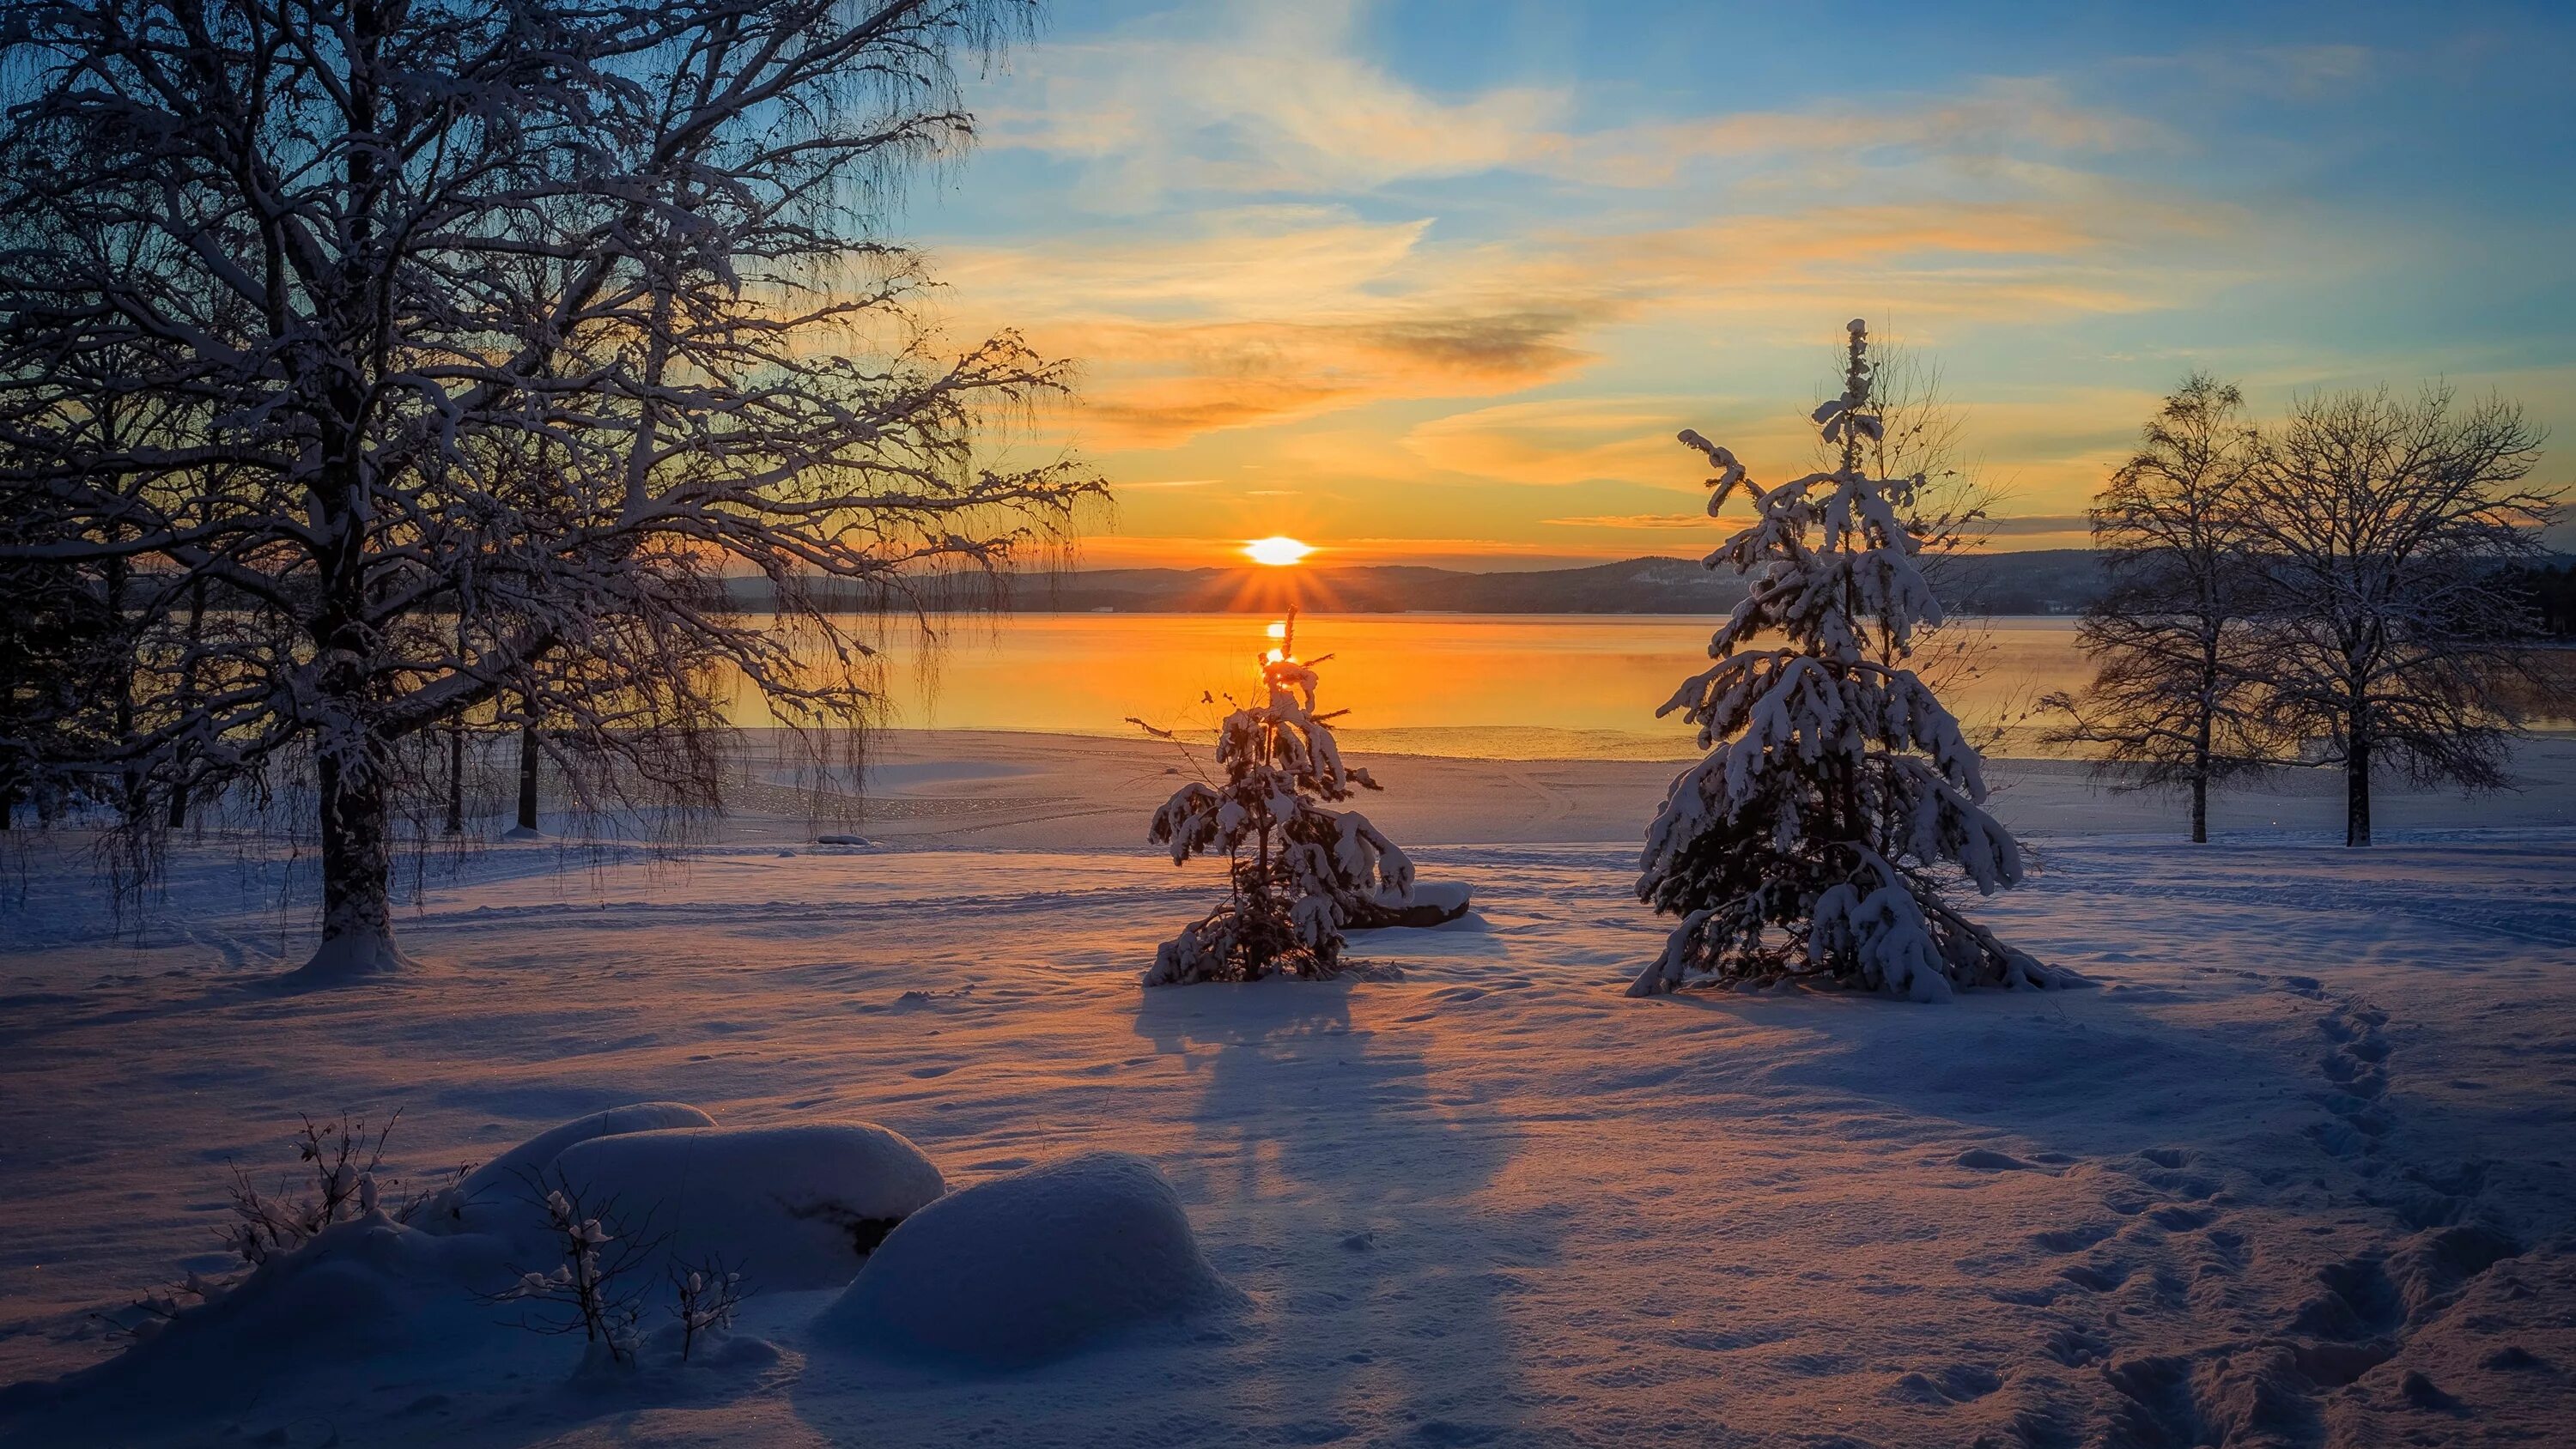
{"x": 1298, "y": 870}
{"x": 1838, "y": 797}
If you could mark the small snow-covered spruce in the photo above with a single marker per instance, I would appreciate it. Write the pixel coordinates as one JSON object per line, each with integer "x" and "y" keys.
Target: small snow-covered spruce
{"x": 1837, "y": 794}
{"x": 1298, "y": 868}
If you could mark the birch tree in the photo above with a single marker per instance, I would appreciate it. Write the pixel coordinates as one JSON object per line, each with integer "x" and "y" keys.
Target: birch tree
{"x": 454, "y": 349}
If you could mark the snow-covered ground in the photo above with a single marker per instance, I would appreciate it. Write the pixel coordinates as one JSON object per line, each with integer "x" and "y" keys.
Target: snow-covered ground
{"x": 2300, "y": 1169}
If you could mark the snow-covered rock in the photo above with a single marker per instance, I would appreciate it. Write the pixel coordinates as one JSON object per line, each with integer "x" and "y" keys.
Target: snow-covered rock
{"x": 791, "y": 1208}
{"x": 1029, "y": 1267}
{"x": 1427, "y": 904}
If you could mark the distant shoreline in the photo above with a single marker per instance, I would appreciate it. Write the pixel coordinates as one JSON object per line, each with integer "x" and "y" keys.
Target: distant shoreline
{"x": 2038, "y": 583}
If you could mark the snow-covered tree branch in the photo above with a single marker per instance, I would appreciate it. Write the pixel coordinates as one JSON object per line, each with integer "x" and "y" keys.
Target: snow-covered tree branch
{"x": 449, "y": 354}
{"x": 1837, "y": 791}
{"x": 1297, "y": 870}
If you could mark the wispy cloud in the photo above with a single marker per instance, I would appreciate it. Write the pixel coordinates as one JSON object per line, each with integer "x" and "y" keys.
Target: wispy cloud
{"x": 1268, "y": 315}
{"x": 1252, "y": 97}
{"x": 1309, "y": 280}
{"x": 1657, "y": 521}
{"x": 1273, "y": 99}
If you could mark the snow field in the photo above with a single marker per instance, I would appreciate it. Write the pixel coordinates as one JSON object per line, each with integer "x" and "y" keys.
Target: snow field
{"x": 2292, "y": 1174}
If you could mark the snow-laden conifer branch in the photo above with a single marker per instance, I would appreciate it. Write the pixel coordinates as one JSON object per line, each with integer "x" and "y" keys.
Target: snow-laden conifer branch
{"x": 1838, "y": 795}
{"x": 1298, "y": 870}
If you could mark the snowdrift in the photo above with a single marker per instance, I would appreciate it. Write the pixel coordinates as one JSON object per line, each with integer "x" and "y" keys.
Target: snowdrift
{"x": 791, "y": 1208}
{"x": 1030, "y": 1267}
{"x": 492, "y": 1194}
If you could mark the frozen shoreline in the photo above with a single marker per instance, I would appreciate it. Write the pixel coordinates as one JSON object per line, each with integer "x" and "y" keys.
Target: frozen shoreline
{"x": 1004, "y": 790}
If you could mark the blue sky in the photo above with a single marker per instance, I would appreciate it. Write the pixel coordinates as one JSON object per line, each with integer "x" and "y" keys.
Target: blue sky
{"x": 1438, "y": 282}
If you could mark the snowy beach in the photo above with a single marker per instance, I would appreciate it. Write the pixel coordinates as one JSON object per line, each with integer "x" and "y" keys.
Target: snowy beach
{"x": 2291, "y": 1171}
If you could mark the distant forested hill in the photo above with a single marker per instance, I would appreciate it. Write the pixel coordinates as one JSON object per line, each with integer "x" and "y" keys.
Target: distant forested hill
{"x": 2046, "y": 581}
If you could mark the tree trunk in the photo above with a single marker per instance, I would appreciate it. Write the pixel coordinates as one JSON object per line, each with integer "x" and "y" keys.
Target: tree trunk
{"x": 2356, "y": 779}
{"x": 456, "y": 777}
{"x": 2200, "y": 784}
{"x": 528, "y": 777}
{"x": 357, "y": 869}
{"x": 188, "y": 696}
{"x": 121, "y": 691}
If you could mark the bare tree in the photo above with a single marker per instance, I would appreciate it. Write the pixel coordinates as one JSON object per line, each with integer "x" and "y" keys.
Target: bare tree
{"x": 453, "y": 351}
{"x": 54, "y": 635}
{"x": 2383, "y": 530}
{"x": 2172, "y": 704}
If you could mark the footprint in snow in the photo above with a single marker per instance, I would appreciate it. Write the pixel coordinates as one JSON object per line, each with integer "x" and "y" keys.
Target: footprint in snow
{"x": 1986, "y": 1159}
{"x": 2070, "y": 1240}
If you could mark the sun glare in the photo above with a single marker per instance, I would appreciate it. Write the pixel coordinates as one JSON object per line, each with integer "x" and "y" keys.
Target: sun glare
{"x": 1278, "y": 550}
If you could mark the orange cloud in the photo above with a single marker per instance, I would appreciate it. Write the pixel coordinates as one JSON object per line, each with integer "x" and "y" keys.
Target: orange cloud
{"x": 1276, "y": 315}
{"x": 1658, "y": 521}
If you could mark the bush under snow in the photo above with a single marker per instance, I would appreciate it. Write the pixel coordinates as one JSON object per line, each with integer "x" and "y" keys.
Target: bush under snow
{"x": 496, "y": 1194}
{"x": 791, "y": 1207}
{"x": 1029, "y": 1267}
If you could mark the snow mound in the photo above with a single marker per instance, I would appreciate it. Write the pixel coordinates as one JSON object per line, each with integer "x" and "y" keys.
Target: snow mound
{"x": 365, "y": 1289}
{"x": 494, "y": 1194}
{"x": 790, "y": 1208}
{"x": 1030, "y": 1267}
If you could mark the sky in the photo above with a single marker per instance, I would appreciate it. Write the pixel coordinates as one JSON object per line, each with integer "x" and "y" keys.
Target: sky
{"x": 1438, "y": 282}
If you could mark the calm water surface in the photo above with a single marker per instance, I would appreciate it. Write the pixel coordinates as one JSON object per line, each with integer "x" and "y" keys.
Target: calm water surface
{"x": 1491, "y": 686}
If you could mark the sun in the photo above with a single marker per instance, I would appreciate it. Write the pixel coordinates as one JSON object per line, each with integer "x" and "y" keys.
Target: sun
{"x": 1278, "y": 550}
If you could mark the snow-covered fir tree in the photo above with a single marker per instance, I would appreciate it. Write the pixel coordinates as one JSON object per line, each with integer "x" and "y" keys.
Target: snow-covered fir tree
{"x": 1298, "y": 869}
{"x": 1838, "y": 796}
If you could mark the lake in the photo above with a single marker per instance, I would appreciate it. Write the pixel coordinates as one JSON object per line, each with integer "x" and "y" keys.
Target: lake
{"x": 1480, "y": 686}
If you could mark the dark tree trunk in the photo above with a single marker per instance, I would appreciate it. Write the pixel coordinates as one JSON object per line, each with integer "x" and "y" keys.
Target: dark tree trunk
{"x": 121, "y": 690}
{"x": 528, "y": 776}
{"x": 188, "y": 696}
{"x": 2200, "y": 782}
{"x": 357, "y": 867}
{"x": 456, "y": 777}
{"x": 2356, "y": 779}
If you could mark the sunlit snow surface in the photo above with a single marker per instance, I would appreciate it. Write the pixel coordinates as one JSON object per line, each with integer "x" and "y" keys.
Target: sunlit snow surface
{"x": 2246, "y": 1189}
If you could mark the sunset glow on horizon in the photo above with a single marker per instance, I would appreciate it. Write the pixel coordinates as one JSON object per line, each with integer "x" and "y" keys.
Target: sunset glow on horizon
{"x": 1276, "y": 551}
{"x": 1438, "y": 285}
